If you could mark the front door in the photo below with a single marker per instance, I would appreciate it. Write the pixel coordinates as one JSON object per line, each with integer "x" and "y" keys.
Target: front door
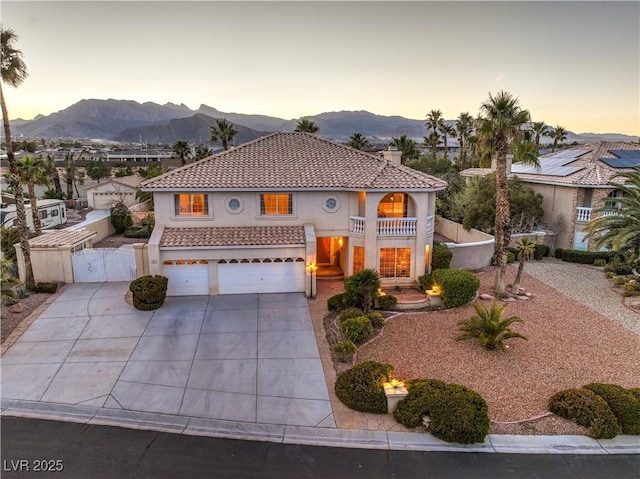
{"x": 323, "y": 255}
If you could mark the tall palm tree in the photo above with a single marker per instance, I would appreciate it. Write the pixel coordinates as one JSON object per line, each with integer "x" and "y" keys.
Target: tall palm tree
{"x": 202, "y": 151}
{"x": 539, "y": 129}
{"x": 31, "y": 173}
{"x": 307, "y": 126}
{"x": 525, "y": 248}
{"x": 358, "y": 141}
{"x": 502, "y": 122}
{"x": 448, "y": 131}
{"x": 73, "y": 175}
{"x": 618, "y": 226}
{"x": 464, "y": 130}
{"x": 13, "y": 72}
{"x": 49, "y": 166}
{"x": 559, "y": 135}
{"x": 223, "y": 132}
{"x": 181, "y": 148}
{"x": 408, "y": 148}
{"x": 434, "y": 122}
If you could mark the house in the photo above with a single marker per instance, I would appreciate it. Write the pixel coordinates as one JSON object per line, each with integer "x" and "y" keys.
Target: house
{"x": 574, "y": 182}
{"x": 260, "y": 216}
{"x": 103, "y": 195}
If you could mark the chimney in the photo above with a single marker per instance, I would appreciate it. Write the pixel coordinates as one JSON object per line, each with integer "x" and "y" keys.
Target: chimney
{"x": 393, "y": 155}
{"x": 509, "y": 163}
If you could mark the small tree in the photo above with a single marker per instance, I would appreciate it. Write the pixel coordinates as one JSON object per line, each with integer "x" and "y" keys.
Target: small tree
{"x": 98, "y": 169}
{"x": 360, "y": 288}
{"x": 489, "y": 328}
{"x": 525, "y": 248}
{"x": 120, "y": 217}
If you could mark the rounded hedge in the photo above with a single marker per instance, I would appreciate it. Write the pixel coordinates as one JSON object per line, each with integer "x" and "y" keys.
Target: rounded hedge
{"x": 335, "y": 302}
{"x": 361, "y": 387}
{"x": 377, "y": 319}
{"x": 441, "y": 257}
{"x": 388, "y": 301}
{"x": 458, "y": 286}
{"x": 349, "y": 313}
{"x": 623, "y": 404}
{"x": 345, "y": 350}
{"x": 587, "y": 409}
{"x": 149, "y": 292}
{"x": 357, "y": 330}
{"x": 458, "y": 414}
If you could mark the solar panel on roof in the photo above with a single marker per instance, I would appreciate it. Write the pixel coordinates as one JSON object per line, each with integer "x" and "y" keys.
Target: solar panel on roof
{"x": 569, "y": 154}
{"x": 621, "y": 162}
{"x": 547, "y": 170}
{"x": 628, "y": 154}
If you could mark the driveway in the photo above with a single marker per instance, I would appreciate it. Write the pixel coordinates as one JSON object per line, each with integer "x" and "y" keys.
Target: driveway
{"x": 250, "y": 358}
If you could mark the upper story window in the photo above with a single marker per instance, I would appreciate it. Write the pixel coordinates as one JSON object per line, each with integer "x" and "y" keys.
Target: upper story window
{"x": 191, "y": 205}
{"x": 276, "y": 204}
{"x": 393, "y": 205}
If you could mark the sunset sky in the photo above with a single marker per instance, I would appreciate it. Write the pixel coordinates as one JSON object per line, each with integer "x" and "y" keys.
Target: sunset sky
{"x": 574, "y": 64}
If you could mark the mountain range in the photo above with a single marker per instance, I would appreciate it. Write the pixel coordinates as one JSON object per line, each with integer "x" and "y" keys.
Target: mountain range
{"x": 133, "y": 122}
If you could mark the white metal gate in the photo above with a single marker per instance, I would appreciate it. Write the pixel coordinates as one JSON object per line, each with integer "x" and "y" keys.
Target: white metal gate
{"x": 97, "y": 265}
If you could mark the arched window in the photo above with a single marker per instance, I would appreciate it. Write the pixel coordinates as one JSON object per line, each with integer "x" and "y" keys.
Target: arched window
{"x": 393, "y": 205}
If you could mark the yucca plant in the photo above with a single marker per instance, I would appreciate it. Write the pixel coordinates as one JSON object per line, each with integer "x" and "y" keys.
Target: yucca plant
{"x": 488, "y": 327}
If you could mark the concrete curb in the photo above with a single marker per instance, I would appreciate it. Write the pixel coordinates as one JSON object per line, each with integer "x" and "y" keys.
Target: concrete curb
{"x": 331, "y": 437}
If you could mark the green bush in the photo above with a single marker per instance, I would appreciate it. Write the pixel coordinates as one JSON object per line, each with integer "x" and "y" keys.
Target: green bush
{"x": 558, "y": 253}
{"x": 9, "y": 237}
{"x": 335, "y": 302}
{"x": 458, "y": 414}
{"x": 360, "y": 289}
{"x": 361, "y": 387}
{"x": 143, "y": 232}
{"x": 623, "y": 404}
{"x": 441, "y": 257}
{"x": 540, "y": 251}
{"x": 426, "y": 281}
{"x": 349, "y": 313}
{"x": 600, "y": 262}
{"x": 585, "y": 257}
{"x": 377, "y": 319}
{"x": 511, "y": 257}
{"x": 48, "y": 288}
{"x": 345, "y": 350}
{"x": 632, "y": 287}
{"x": 587, "y": 409}
{"x": 635, "y": 392}
{"x": 120, "y": 217}
{"x": 458, "y": 286}
{"x": 149, "y": 292}
{"x": 388, "y": 301}
{"x": 357, "y": 330}
{"x": 618, "y": 268}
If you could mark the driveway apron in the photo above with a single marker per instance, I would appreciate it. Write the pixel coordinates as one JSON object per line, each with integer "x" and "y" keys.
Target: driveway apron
{"x": 250, "y": 358}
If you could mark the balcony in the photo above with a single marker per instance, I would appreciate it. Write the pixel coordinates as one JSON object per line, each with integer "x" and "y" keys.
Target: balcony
{"x": 390, "y": 226}
{"x": 584, "y": 214}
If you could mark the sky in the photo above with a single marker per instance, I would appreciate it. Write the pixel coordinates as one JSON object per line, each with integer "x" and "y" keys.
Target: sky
{"x": 573, "y": 64}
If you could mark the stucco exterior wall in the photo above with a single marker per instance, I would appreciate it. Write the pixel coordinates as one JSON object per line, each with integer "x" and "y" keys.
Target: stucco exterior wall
{"x": 104, "y": 195}
{"x": 472, "y": 250}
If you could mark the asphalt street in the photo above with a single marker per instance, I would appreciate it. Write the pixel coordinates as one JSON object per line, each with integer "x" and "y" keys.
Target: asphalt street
{"x": 41, "y": 448}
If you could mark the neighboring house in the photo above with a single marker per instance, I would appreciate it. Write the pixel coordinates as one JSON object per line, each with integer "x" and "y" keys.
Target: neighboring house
{"x": 573, "y": 183}
{"x": 103, "y": 195}
{"x": 138, "y": 155}
{"x": 253, "y": 218}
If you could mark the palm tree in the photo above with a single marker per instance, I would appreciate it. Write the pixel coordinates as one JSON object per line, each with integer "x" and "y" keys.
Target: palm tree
{"x": 489, "y": 328}
{"x": 539, "y": 129}
{"x": 361, "y": 288}
{"x": 408, "y": 148}
{"x": 307, "y": 126}
{"x": 52, "y": 172}
{"x": 223, "y": 132}
{"x": 559, "y": 135}
{"x": 13, "y": 72}
{"x": 31, "y": 173}
{"x": 70, "y": 172}
{"x": 448, "y": 131}
{"x": 181, "y": 148}
{"x": 525, "y": 248}
{"x": 502, "y": 122}
{"x": 464, "y": 130}
{"x": 618, "y": 226}
{"x": 358, "y": 141}
{"x": 202, "y": 151}
{"x": 434, "y": 122}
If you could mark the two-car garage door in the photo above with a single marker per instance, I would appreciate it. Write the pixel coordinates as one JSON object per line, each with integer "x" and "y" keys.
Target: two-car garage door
{"x": 282, "y": 275}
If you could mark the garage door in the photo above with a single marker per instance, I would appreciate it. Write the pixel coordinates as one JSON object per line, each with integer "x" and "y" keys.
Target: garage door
{"x": 265, "y": 277}
{"x": 187, "y": 279}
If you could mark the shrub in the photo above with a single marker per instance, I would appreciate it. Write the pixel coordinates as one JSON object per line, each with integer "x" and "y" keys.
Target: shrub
{"x": 426, "y": 281}
{"x": 587, "y": 409}
{"x": 441, "y": 257}
{"x": 9, "y": 237}
{"x": 361, "y": 387}
{"x": 600, "y": 262}
{"x": 48, "y": 288}
{"x": 335, "y": 302}
{"x": 345, "y": 350}
{"x": 635, "y": 392}
{"x": 141, "y": 232}
{"x": 511, "y": 257}
{"x": 120, "y": 217}
{"x": 458, "y": 286}
{"x": 618, "y": 268}
{"x": 360, "y": 289}
{"x": 585, "y": 257}
{"x": 349, "y": 313}
{"x": 458, "y": 414}
{"x": 488, "y": 327}
{"x": 558, "y": 253}
{"x": 623, "y": 404}
{"x": 387, "y": 301}
{"x": 377, "y": 319}
{"x": 632, "y": 288}
{"x": 541, "y": 251}
{"x": 357, "y": 330}
{"x": 149, "y": 292}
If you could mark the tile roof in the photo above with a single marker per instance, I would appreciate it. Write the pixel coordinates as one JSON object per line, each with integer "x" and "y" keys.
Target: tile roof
{"x": 61, "y": 238}
{"x": 132, "y": 181}
{"x": 293, "y": 160}
{"x": 592, "y": 171}
{"x": 233, "y": 236}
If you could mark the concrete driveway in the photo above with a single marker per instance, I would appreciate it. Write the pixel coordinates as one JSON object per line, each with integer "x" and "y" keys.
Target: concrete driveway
{"x": 250, "y": 358}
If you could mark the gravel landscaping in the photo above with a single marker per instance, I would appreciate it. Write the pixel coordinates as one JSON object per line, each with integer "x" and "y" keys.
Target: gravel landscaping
{"x": 569, "y": 345}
